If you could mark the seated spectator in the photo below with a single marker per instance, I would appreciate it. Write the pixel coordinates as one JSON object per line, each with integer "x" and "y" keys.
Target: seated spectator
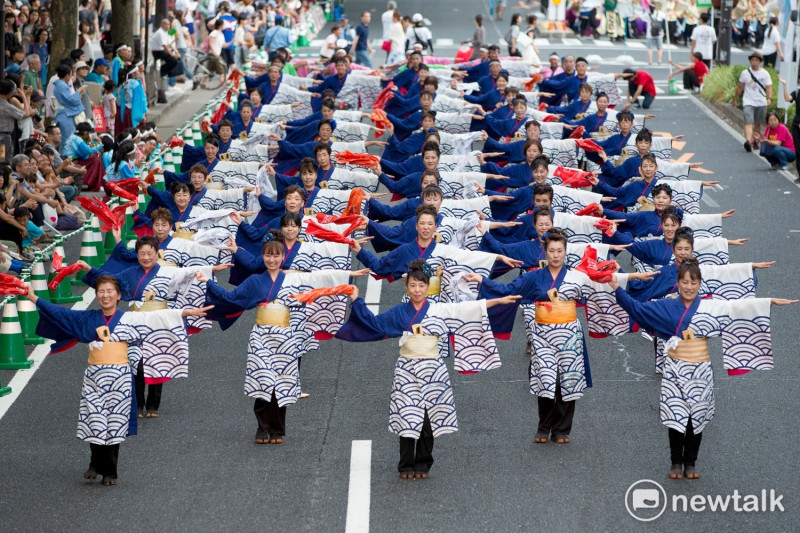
{"x": 77, "y": 148}
{"x": 777, "y": 145}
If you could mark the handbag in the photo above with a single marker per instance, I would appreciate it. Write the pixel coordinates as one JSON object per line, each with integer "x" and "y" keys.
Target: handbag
{"x": 386, "y": 46}
{"x": 766, "y": 149}
{"x": 80, "y": 117}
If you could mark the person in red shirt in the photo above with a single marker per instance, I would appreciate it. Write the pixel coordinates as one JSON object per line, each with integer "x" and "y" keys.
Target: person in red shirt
{"x": 640, "y": 83}
{"x": 692, "y": 74}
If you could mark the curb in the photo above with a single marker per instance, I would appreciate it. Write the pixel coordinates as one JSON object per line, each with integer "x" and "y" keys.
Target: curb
{"x": 731, "y": 114}
{"x": 155, "y": 112}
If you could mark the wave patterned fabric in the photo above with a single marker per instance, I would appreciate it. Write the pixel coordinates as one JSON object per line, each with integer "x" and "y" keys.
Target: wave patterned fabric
{"x": 105, "y": 404}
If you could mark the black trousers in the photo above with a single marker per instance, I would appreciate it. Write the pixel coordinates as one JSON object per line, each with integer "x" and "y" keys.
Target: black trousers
{"x": 416, "y": 455}
{"x": 271, "y": 418}
{"x": 683, "y": 447}
{"x": 168, "y": 63}
{"x": 153, "y": 391}
{"x": 687, "y": 33}
{"x": 690, "y": 80}
{"x": 555, "y": 415}
{"x": 795, "y": 129}
{"x": 104, "y": 459}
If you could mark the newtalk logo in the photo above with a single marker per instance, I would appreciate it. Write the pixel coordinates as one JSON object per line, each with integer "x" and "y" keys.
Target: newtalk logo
{"x": 647, "y": 500}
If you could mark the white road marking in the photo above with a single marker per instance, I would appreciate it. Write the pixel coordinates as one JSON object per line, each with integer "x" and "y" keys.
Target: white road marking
{"x": 709, "y": 201}
{"x": 358, "y": 496}
{"x": 444, "y": 42}
{"x": 541, "y": 42}
{"x": 636, "y": 45}
{"x": 316, "y": 43}
{"x": 22, "y": 377}
{"x": 571, "y": 42}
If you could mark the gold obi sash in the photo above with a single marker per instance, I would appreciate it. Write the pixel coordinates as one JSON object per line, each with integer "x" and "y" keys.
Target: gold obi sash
{"x": 435, "y": 283}
{"x": 149, "y": 304}
{"x": 272, "y": 315}
{"x": 691, "y": 349}
{"x": 181, "y": 233}
{"x": 213, "y": 185}
{"x": 601, "y": 134}
{"x": 555, "y": 311}
{"x": 112, "y": 353}
{"x": 645, "y": 204}
{"x": 164, "y": 262}
{"x": 625, "y": 154}
{"x": 420, "y": 347}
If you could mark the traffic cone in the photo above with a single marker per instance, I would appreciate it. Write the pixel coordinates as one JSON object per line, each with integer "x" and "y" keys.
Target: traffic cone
{"x": 160, "y": 184}
{"x": 127, "y": 231}
{"x": 28, "y": 320}
{"x": 97, "y": 239}
{"x": 187, "y": 136}
{"x": 197, "y": 135}
{"x": 12, "y": 346}
{"x": 63, "y": 293}
{"x": 108, "y": 238}
{"x": 4, "y": 390}
{"x": 88, "y": 249}
{"x": 169, "y": 160}
{"x": 38, "y": 277}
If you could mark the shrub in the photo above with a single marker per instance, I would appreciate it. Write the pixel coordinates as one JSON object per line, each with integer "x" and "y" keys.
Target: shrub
{"x": 719, "y": 86}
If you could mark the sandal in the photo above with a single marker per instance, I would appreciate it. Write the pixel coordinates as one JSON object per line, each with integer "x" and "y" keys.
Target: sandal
{"x": 561, "y": 439}
{"x": 406, "y": 475}
{"x": 421, "y": 475}
{"x": 262, "y": 437}
{"x": 676, "y": 472}
{"x": 109, "y": 481}
{"x": 140, "y": 413}
{"x": 90, "y": 474}
{"x": 151, "y": 414}
{"x": 690, "y": 472}
{"x": 276, "y": 440}
{"x": 541, "y": 436}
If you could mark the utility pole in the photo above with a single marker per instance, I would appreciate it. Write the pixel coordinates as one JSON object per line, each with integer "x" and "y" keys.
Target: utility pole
{"x": 724, "y": 37}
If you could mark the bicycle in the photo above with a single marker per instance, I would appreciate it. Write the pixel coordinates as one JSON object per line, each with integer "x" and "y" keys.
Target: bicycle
{"x": 210, "y": 71}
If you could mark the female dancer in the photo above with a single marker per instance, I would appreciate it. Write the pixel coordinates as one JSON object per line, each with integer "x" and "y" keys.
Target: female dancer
{"x": 421, "y": 405}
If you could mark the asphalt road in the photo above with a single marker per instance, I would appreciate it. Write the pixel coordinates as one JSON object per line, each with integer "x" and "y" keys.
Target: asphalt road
{"x": 196, "y": 466}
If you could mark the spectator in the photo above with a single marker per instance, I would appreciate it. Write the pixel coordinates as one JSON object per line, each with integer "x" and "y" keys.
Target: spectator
{"x": 792, "y": 97}
{"x": 40, "y": 47}
{"x": 361, "y": 43}
{"x": 499, "y": 7}
{"x": 703, "y": 39}
{"x": 329, "y": 45}
{"x": 387, "y": 22}
{"x": 512, "y": 34}
{"x": 478, "y": 37}
{"x": 553, "y": 68}
{"x": 109, "y": 106}
{"x": 417, "y": 33}
{"x": 123, "y": 58}
{"x": 33, "y": 234}
{"x": 348, "y": 33}
{"x": 16, "y": 57}
{"x": 99, "y": 73}
{"x": 81, "y": 71}
{"x": 87, "y": 14}
{"x": 655, "y": 21}
{"x": 755, "y": 87}
{"x": 10, "y": 113}
{"x": 277, "y": 37}
{"x": 28, "y": 30}
{"x": 163, "y": 49}
{"x": 228, "y": 30}
{"x": 692, "y": 74}
{"x": 33, "y": 76}
{"x": 772, "y": 44}
{"x": 640, "y": 83}
{"x": 777, "y": 145}
{"x": 11, "y": 35}
{"x": 397, "y": 38}
{"x": 78, "y": 149}
{"x": 240, "y": 49}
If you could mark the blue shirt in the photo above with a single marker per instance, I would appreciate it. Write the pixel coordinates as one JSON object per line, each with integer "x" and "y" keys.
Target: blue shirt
{"x": 76, "y": 148}
{"x": 33, "y": 233}
{"x": 363, "y": 37}
{"x": 228, "y": 27}
{"x": 277, "y": 37}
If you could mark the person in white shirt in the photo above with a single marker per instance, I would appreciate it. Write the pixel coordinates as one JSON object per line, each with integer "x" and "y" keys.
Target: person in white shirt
{"x": 329, "y": 45}
{"x": 703, "y": 39}
{"x": 654, "y": 31}
{"x": 386, "y": 19}
{"x": 418, "y": 33}
{"x": 772, "y": 44}
{"x": 756, "y": 84}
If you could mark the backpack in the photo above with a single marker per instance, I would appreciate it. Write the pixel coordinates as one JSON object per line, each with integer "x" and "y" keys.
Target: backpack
{"x": 655, "y": 26}
{"x": 205, "y": 46}
{"x": 418, "y": 40}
